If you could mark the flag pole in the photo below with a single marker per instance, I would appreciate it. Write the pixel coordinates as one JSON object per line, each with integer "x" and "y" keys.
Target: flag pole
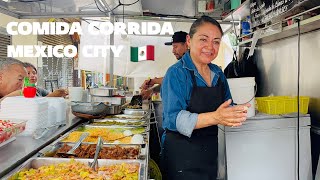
{"x": 111, "y": 56}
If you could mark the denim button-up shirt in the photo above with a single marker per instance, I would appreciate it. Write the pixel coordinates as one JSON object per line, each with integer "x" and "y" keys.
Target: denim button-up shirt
{"x": 176, "y": 92}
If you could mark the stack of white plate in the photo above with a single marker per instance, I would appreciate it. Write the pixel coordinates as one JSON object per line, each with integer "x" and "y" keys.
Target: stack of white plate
{"x": 34, "y": 110}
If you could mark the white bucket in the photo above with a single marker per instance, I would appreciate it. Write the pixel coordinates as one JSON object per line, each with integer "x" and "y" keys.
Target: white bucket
{"x": 242, "y": 90}
{"x": 75, "y": 93}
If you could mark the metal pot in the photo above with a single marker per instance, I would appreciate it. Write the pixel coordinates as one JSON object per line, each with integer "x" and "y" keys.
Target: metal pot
{"x": 110, "y": 100}
{"x": 113, "y": 109}
{"x": 103, "y": 91}
{"x": 95, "y": 109}
{"x": 136, "y": 112}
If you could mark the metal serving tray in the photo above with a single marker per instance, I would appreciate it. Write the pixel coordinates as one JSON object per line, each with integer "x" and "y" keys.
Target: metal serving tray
{"x": 127, "y": 117}
{"x": 144, "y": 134}
{"x": 118, "y": 122}
{"x": 135, "y": 112}
{"x": 36, "y": 163}
{"x": 113, "y": 127}
{"x": 50, "y": 151}
{"x": 146, "y": 130}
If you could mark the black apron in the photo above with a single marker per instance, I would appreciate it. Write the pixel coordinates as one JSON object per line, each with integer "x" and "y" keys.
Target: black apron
{"x": 194, "y": 158}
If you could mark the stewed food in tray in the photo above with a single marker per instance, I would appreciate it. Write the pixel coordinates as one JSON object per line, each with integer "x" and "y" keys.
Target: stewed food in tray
{"x": 87, "y": 150}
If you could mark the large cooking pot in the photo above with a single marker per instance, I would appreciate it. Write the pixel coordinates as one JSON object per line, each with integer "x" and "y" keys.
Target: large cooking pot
{"x": 95, "y": 109}
{"x": 103, "y": 91}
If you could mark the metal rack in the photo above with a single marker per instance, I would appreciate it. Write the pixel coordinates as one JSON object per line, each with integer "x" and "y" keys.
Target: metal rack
{"x": 279, "y": 32}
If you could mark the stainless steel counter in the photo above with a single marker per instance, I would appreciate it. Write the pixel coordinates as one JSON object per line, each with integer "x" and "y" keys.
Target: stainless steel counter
{"x": 264, "y": 148}
{"x": 24, "y": 147}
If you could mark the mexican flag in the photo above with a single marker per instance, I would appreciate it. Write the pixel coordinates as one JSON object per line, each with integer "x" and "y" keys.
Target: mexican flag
{"x": 144, "y": 53}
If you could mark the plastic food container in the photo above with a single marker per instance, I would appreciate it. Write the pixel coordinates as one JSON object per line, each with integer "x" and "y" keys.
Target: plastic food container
{"x": 10, "y": 128}
{"x": 282, "y": 104}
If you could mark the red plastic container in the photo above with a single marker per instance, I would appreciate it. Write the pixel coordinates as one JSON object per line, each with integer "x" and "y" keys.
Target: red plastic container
{"x": 29, "y": 92}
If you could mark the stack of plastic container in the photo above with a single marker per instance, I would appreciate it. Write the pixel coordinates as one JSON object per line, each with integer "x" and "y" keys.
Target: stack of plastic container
{"x": 57, "y": 110}
{"x": 34, "y": 110}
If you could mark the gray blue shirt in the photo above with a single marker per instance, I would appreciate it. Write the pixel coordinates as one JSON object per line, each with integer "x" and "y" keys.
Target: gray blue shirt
{"x": 176, "y": 92}
{"x": 41, "y": 92}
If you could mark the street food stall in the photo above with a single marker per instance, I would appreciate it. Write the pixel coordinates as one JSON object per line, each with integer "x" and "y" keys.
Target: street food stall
{"x": 119, "y": 142}
{"x": 280, "y": 139}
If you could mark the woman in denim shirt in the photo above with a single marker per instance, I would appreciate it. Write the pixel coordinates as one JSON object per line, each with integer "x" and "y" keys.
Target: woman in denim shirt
{"x": 196, "y": 98}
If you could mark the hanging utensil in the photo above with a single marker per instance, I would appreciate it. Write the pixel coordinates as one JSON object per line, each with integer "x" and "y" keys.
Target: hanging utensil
{"x": 136, "y": 100}
{"x": 153, "y": 87}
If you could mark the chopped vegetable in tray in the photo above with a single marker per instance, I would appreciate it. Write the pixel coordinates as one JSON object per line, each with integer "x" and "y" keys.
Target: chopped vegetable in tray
{"x": 72, "y": 169}
{"x": 77, "y": 170}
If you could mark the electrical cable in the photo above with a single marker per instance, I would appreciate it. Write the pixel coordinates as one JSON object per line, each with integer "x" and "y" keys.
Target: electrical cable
{"x": 128, "y": 4}
{"x": 85, "y": 19}
{"x": 298, "y": 99}
{"x": 108, "y": 10}
{"x": 123, "y": 13}
{"x": 118, "y": 5}
{"x": 235, "y": 50}
{"x": 98, "y": 6}
{"x": 234, "y": 27}
{"x": 115, "y": 7}
{"x": 27, "y": 1}
{"x": 89, "y": 23}
{"x": 169, "y": 15}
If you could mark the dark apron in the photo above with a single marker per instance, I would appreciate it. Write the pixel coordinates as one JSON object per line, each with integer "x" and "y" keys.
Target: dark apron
{"x": 194, "y": 158}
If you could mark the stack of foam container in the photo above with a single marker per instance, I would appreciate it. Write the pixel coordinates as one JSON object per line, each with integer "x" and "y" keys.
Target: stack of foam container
{"x": 57, "y": 110}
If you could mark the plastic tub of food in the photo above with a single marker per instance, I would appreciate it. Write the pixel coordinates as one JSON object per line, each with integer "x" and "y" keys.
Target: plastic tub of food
{"x": 10, "y": 128}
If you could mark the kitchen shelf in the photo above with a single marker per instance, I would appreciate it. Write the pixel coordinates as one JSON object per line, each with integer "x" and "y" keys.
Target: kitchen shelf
{"x": 240, "y": 13}
{"x": 306, "y": 25}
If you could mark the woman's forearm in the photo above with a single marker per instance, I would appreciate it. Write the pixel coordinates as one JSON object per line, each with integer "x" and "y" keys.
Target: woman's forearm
{"x": 207, "y": 119}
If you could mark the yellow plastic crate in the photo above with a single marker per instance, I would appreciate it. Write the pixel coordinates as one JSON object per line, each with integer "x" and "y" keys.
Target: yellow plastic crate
{"x": 282, "y": 104}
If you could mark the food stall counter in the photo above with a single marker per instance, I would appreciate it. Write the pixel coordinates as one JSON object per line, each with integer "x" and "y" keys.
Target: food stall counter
{"x": 24, "y": 147}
